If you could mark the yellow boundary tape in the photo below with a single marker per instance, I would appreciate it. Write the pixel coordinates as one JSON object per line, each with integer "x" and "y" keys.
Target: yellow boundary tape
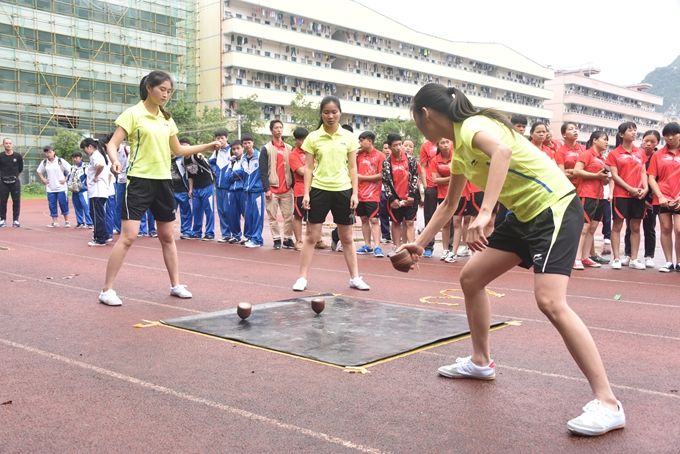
{"x": 349, "y": 369}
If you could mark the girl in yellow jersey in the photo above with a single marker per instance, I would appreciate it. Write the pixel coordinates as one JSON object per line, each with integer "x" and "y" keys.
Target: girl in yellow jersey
{"x": 542, "y": 231}
{"x": 152, "y": 135}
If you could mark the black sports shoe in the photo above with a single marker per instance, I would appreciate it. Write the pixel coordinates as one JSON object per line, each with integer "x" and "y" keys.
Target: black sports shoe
{"x": 277, "y": 244}
{"x": 288, "y": 243}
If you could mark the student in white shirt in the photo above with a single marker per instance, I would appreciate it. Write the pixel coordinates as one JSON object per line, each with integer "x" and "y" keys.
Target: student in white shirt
{"x": 53, "y": 172}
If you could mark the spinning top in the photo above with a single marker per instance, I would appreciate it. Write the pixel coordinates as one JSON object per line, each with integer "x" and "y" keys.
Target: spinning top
{"x": 318, "y": 305}
{"x": 243, "y": 310}
{"x": 402, "y": 261}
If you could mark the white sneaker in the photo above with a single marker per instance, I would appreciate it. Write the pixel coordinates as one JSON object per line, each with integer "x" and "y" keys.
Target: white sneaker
{"x": 451, "y": 258}
{"x": 578, "y": 265}
{"x": 667, "y": 268}
{"x": 250, "y": 244}
{"x": 180, "y": 291}
{"x": 339, "y": 247}
{"x": 300, "y": 284}
{"x": 465, "y": 368}
{"x": 616, "y": 264}
{"x": 2, "y": 222}
{"x": 596, "y": 419}
{"x": 109, "y": 298}
{"x": 607, "y": 241}
{"x": 445, "y": 254}
{"x": 637, "y": 264}
{"x": 463, "y": 251}
{"x": 649, "y": 262}
{"x": 625, "y": 261}
{"x": 358, "y": 283}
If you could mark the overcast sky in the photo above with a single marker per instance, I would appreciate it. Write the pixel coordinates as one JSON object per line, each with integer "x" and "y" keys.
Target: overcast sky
{"x": 625, "y": 40}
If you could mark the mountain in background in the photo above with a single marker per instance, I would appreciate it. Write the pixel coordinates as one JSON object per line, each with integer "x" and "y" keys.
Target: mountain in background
{"x": 665, "y": 82}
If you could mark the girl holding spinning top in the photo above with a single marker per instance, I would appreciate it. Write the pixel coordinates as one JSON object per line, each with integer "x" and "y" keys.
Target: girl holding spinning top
{"x": 152, "y": 135}
{"x": 542, "y": 231}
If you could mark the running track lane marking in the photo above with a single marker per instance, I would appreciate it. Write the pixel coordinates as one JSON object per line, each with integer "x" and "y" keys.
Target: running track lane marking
{"x": 198, "y": 400}
{"x": 579, "y": 379}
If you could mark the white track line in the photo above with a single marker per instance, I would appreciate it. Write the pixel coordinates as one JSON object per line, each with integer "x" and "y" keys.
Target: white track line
{"x": 195, "y": 399}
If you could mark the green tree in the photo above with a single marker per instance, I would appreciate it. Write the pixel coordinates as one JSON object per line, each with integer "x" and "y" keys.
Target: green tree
{"x": 66, "y": 141}
{"x": 249, "y": 113}
{"x": 407, "y": 129}
{"x": 304, "y": 113}
{"x": 196, "y": 128}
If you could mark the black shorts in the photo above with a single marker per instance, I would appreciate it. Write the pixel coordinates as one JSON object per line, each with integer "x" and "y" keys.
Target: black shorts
{"x": 593, "y": 209}
{"x": 298, "y": 211}
{"x": 401, "y": 214}
{"x": 368, "y": 209}
{"x": 628, "y": 208}
{"x": 337, "y": 202}
{"x": 142, "y": 194}
{"x": 472, "y": 206}
{"x": 548, "y": 242}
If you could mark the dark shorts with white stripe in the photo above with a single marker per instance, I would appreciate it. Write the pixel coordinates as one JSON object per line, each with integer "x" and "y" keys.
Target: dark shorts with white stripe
{"x": 548, "y": 242}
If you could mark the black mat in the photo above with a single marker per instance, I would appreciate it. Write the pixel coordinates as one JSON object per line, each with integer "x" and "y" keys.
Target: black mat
{"x": 349, "y": 332}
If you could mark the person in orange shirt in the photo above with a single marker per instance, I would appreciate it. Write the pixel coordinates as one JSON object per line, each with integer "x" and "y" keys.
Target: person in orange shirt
{"x": 537, "y": 134}
{"x": 664, "y": 180}
{"x": 567, "y": 155}
{"x": 627, "y": 165}
{"x": 592, "y": 175}
{"x": 297, "y": 166}
{"x": 428, "y": 151}
{"x": 440, "y": 175}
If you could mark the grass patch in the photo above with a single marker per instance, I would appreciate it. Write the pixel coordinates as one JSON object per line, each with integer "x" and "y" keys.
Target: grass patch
{"x": 33, "y": 191}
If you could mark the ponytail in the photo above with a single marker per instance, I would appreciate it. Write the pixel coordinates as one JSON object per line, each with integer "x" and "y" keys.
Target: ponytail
{"x": 453, "y": 103}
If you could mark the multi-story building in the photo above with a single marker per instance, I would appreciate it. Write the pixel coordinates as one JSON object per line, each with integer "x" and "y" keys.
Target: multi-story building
{"x": 374, "y": 65}
{"x": 77, "y": 64}
{"x": 593, "y": 104}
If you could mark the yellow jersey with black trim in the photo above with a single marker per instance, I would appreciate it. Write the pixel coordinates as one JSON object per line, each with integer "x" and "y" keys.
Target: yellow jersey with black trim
{"x": 331, "y": 154}
{"x": 149, "y": 139}
{"x": 533, "y": 183}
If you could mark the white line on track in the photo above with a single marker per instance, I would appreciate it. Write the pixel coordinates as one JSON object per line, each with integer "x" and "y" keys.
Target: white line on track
{"x": 195, "y": 399}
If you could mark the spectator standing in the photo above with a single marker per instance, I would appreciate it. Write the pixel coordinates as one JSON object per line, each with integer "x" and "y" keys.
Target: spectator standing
{"x": 78, "y": 186}
{"x": 53, "y": 172}
{"x": 277, "y": 182}
{"x": 369, "y": 174}
{"x": 201, "y": 193}
{"x": 11, "y": 166}
{"x": 253, "y": 191}
{"x": 221, "y": 163}
{"x": 297, "y": 160}
{"x": 98, "y": 173}
{"x": 180, "y": 187}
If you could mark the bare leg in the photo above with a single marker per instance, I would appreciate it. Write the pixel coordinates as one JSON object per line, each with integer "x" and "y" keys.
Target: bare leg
{"x": 348, "y": 250}
{"x": 128, "y": 235}
{"x": 165, "y": 236}
{"x": 312, "y": 237}
{"x": 297, "y": 228}
{"x": 446, "y": 238}
{"x": 482, "y": 268}
{"x": 634, "y": 238}
{"x": 616, "y": 237}
{"x": 375, "y": 231}
{"x": 582, "y": 242}
{"x": 551, "y": 296}
{"x": 410, "y": 231}
{"x": 365, "y": 231}
{"x": 666, "y": 227}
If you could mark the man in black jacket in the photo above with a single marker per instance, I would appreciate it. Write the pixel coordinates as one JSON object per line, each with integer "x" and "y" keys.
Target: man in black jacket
{"x": 11, "y": 166}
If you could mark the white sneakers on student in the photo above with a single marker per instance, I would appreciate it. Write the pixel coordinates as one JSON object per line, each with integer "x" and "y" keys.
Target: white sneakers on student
{"x": 180, "y": 291}
{"x": 109, "y": 298}
{"x": 358, "y": 283}
{"x": 597, "y": 419}
{"x": 465, "y": 368}
{"x": 300, "y": 284}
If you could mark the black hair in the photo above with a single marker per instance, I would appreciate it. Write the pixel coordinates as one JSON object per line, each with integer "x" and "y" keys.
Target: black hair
{"x": 327, "y": 100}
{"x": 220, "y": 132}
{"x": 273, "y": 122}
{"x": 87, "y": 142}
{"x": 106, "y": 138}
{"x": 565, "y": 125}
{"x": 594, "y": 136}
{"x": 367, "y": 135}
{"x": 76, "y": 154}
{"x": 151, "y": 80}
{"x": 652, "y": 132}
{"x": 300, "y": 133}
{"x": 670, "y": 129}
{"x": 392, "y": 137}
{"x": 47, "y": 148}
{"x": 623, "y": 127}
{"x": 536, "y": 125}
{"x": 236, "y": 142}
{"x": 519, "y": 120}
{"x": 245, "y": 137}
{"x": 453, "y": 103}
{"x": 347, "y": 127}
{"x": 184, "y": 141}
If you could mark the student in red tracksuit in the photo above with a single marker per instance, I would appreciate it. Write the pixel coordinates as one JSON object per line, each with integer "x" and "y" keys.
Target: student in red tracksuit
{"x": 537, "y": 135}
{"x": 297, "y": 166}
{"x": 592, "y": 175}
{"x": 567, "y": 155}
{"x": 440, "y": 174}
{"x": 369, "y": 173}
{"x": 627, "y": 165}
